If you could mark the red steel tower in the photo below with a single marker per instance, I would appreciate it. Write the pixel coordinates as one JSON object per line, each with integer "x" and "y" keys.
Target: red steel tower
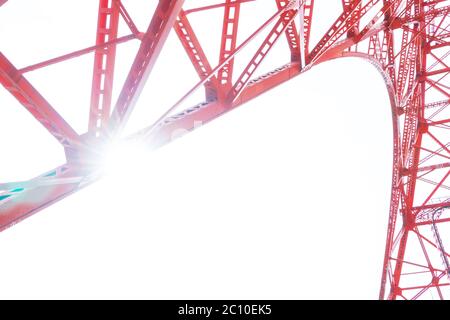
{"x": 407, "y": 41}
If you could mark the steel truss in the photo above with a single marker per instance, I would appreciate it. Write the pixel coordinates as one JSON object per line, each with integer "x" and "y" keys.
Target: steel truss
{"x": 408, "y": 41}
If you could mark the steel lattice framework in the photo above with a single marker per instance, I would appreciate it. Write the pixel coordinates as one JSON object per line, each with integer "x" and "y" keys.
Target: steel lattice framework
{"x": 408, "y": 41}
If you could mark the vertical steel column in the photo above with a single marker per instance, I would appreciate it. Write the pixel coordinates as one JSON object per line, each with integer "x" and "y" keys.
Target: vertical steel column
{"x": 228, "y": 45}
{"x": 103, "y": 73}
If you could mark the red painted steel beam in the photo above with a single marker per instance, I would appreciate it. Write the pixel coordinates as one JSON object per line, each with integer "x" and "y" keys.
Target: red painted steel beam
{"x": 258, "y": 31}
{"x": 76, "y": 54}
{"x": 434, "y": 167}
{"x": 429, "y": 222}
{"x": 195, "y": 52}
{"x": 436, "y": 72}
{"x": 35, "y": 103}
{"x": 214, "y": 6}
{"x": 20, "y": 201}
{"x": 228, "y": 45}
{"x": 306, "y": 15}
{"x": 152, "y": 42}
{"x": 103, "y": 71}
{"x": 127, "y": 18}
{"x": 292, "y": 35}
{"x": 381, "y": 45}
{"x": 283, "y": 23}
{"x": 355, "y": 8}
{"x": 339, "y": 26}
{"x": 333, "y": 43}
{"x": 406, "y": 62}
{"x": 175, "y": 126}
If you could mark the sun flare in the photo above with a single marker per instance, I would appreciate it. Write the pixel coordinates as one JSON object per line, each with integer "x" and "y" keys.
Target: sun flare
{"x": 126, "y": 159}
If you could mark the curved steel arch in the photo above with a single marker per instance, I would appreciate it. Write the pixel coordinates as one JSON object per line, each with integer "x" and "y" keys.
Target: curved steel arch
{"x": 395, "y": 158}
{"x": 406, "y": 40}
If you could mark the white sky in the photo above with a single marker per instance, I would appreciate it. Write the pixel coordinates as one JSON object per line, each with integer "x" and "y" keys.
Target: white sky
{"x": 285, "y": 197}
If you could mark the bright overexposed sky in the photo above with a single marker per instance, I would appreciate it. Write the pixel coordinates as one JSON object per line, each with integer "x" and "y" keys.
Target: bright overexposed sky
{"x": 285, "y": 197}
